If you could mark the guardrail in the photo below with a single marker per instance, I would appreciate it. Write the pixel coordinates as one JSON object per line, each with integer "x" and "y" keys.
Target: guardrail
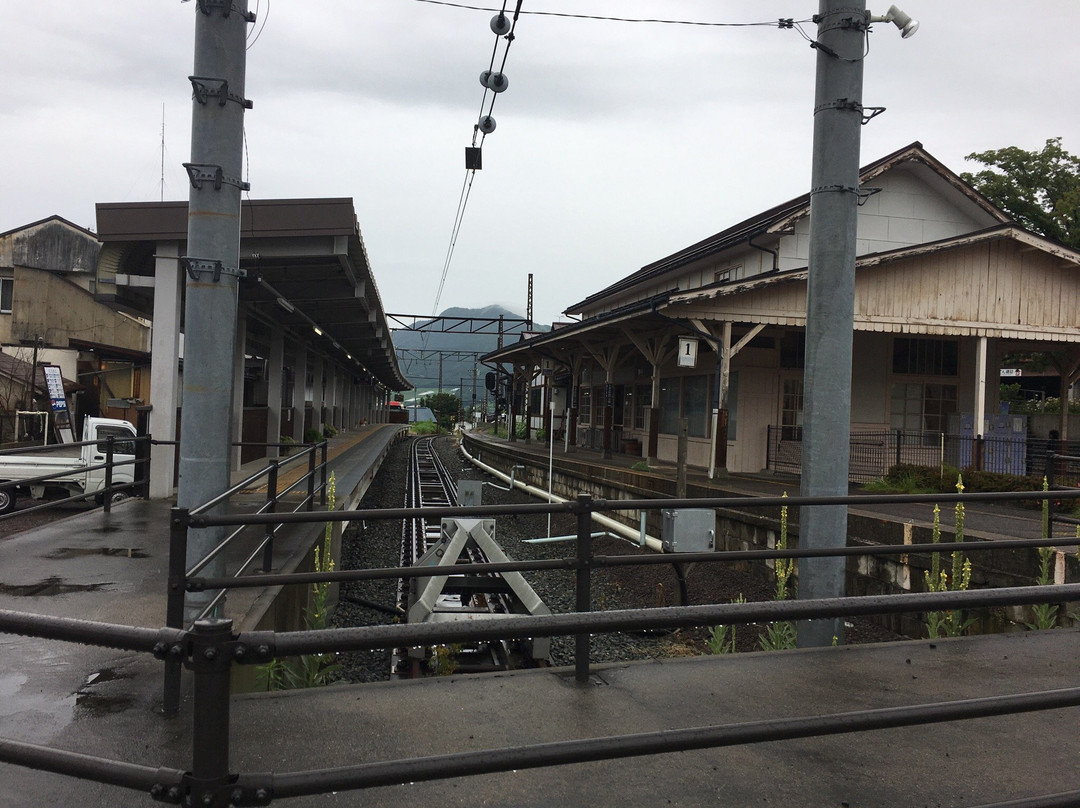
{"x": 182, "y": 578}
{"x": 210, "y": 648}
{"x": 1062, "y": 474}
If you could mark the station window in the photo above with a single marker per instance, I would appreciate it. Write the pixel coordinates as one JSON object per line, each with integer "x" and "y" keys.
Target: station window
{"x": 7, "y": 286}
{"x": 684, "y": 397}
{"x": 727, "y": 274}
{"x": 793, "y": 349}
{"x": 585, "y": 405}
{"x": 925, "y": 357}
{"x": 643, "y": 401}
{"x": 921, "y": 406}
{"x": 695, "y": 404}
{"x": 669, "y": 406}
{"x": 791, "y": 410}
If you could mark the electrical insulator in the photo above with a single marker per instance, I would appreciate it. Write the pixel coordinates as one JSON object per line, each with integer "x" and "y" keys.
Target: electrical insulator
{"x": 487, "y": 125}
{"x": 496, "y": 82}
{"x": 500, "y": 25}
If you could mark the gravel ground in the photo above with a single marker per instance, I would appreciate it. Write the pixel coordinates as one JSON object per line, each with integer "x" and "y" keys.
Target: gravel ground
{"x": 374, "y": 544}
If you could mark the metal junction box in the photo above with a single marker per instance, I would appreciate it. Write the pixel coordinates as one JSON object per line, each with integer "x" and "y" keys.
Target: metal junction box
{"x": 688, "y": 530}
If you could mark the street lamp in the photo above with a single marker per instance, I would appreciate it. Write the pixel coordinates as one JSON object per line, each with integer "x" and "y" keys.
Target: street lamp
{"x": 903, "y": 21}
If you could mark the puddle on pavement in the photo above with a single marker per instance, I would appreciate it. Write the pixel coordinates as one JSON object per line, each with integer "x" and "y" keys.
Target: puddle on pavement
{"x": 48, "y": 588}
{"x": 105, "y": 529}
{"x": 94, "y": 703}
{"x": 113, "y": 552}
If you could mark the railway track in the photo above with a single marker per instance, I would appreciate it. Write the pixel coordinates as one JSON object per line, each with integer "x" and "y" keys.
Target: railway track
{"x": 463, "y": 596}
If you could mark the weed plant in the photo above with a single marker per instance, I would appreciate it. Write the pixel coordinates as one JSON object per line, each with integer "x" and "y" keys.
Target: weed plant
{"x": 721, "y": 639}
{"x": 780, "y": 635}
{"x": 1045, "y": 614}
{"x": 309, "y": 670}
{"x": 949, "y": 623}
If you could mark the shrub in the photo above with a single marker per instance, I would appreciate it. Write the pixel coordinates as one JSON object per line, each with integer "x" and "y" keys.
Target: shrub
{"x": 905, "y": 478}
{"x": 313, "y": 436}
{"x": 329, "y": 430}
{"x": 425, "y": 428}
{"x": 289, "y": 445}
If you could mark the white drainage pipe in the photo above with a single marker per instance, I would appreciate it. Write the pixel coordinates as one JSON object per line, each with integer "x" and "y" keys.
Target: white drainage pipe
{"x": 637, "y": 536}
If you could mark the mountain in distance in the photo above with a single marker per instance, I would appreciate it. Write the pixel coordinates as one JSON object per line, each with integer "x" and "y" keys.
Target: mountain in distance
{"x": 419, "y": 353}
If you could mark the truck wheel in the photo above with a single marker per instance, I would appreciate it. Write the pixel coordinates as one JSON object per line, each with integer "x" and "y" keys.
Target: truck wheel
{"x": 7, "y": 500}
{"x": 117, "y": 496}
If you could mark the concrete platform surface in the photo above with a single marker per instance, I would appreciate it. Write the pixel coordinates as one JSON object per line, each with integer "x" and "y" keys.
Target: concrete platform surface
{"x": 954, "y": 764}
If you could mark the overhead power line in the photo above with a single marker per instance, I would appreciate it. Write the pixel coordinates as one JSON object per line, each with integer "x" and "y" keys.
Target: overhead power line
{"x": 494, "y": 82}
{"x": 784, "y": 23}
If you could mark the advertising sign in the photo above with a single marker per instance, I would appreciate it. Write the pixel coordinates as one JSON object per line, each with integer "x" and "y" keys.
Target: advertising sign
{"x": 58, "y": 402}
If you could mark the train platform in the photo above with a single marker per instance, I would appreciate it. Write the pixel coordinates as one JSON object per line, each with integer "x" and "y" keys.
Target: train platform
{"x": 985, "y": 519}
{"x": 112, "y": 567}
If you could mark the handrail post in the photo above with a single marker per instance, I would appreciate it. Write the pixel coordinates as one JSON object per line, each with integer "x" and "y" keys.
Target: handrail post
{"x": 583, "y": 575}
{"x": 142, "y": 465}
{"x": 311, "y": 478}
{"x": 271, "y": 507}
{"x": 110, "y": 442}
{"x": 324, "y": 444}
{"x": 174, "y": 605}
{"x": 211, "y": 661}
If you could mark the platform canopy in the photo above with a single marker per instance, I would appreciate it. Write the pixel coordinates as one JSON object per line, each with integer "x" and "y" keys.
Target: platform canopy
{"x": 305, "y": 266}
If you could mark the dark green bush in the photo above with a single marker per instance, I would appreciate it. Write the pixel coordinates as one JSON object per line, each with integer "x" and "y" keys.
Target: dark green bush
{"x": 313, "y": 436}
{"x": 912, "y": 479}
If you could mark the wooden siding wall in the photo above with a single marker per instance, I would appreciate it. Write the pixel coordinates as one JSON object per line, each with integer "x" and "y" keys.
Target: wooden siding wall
{"x": 994, "y": 289}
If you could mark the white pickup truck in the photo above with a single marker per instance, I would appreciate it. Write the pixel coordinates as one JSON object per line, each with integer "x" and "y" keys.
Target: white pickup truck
{"x": 67, "y": 466}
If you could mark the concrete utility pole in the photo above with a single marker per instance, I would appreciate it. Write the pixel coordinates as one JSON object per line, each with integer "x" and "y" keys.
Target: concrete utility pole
{"x": 830, "y": 296}
{"x": 212, "y": 265}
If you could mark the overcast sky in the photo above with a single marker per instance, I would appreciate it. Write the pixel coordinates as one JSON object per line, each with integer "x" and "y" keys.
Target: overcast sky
{"x": 617, "y": 143}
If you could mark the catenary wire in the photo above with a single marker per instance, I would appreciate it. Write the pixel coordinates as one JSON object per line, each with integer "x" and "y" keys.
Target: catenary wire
{"x": 470, "y": 174}
{"x": 656, "y": 21}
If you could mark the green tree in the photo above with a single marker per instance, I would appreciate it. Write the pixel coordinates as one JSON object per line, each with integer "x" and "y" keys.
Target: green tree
{"x": 445, "y": 406}
{"x": 1040, "y": 189}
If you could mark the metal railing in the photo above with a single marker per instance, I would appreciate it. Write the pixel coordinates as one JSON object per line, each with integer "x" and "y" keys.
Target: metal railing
{"x": 1062, "y": 474}
{"x": 210, "y": 649}
{"x": 873, "y": 452}
{"x": 183, "y": 579}
{"x": 140, "y": 461}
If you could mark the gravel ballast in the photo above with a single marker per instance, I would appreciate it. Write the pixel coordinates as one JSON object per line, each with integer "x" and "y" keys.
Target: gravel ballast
{"x": 378, "y": 544}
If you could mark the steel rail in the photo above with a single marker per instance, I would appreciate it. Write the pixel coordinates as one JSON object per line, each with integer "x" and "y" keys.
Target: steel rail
{"x": 1064, "y": 799}
{"x": 339, "y": 576}
{"x": 61, "y": 476}
{"x": 54, "y": 448}
{"x": 416, "y": 634}
{"x": 639, "y": 504}
{"x": 246, "y": 483}
{"x": 711, "y": 557}
{"x": 155, "y": 781}
{"x": 489, "y": 761}
{"x": 87, "y": 632}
